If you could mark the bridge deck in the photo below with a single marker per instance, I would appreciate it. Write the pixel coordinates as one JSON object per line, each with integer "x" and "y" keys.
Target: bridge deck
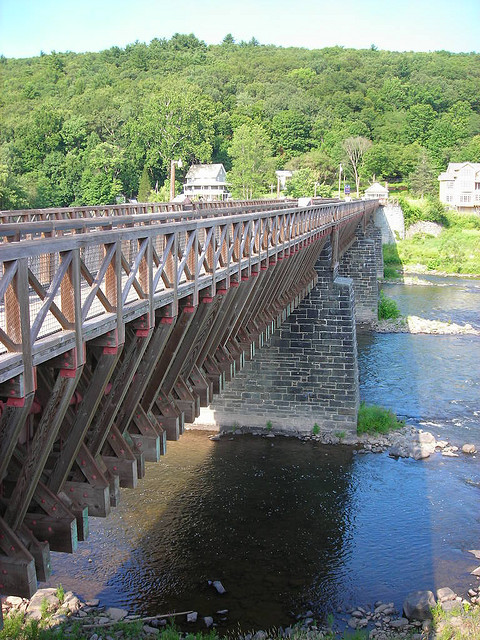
{"x": 116, "y": 324}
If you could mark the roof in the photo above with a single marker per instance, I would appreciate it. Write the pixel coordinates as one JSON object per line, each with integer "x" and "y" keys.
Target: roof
{"x": 455, "y": 167}
{"x": 204, "y": 171}
{"x": 376, "y": 187}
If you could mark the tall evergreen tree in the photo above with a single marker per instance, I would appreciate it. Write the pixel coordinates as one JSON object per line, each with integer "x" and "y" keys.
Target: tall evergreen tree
{"x": 145, "y": 186}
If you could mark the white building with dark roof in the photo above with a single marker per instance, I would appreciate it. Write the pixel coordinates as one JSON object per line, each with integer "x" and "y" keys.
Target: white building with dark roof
{"x": 206, "y": 182}
{"x": 460, "y": 186}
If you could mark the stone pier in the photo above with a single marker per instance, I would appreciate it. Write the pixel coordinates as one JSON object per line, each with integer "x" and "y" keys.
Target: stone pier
{"x": 363, "y": 262}
{"x": 305, "y": 378}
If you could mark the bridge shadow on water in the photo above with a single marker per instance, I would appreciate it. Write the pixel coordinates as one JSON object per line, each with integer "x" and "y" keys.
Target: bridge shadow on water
{"x": 286, "y": 527}
{"x": 289, "y": 526}
{"x": 265, "y": 516}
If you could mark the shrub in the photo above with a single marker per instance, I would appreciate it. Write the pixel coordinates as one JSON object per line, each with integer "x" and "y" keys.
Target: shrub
{"x": 387, "y": 308}
{"x": 375, "y": 419}
{"x": 389, "y": 271}
{"x": 411, "y": 213}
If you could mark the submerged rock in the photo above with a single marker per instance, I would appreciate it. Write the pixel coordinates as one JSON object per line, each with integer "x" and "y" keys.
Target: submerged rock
{"x": 219, "y": 586}
{"x": 469, "y": 448}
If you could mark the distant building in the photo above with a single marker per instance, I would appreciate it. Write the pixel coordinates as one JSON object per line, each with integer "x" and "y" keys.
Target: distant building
{"x": 206, "y": 182}
{"x": 460, "y": 186}
{"x": 376, "y": 192}
{"x": 282, "y": 177}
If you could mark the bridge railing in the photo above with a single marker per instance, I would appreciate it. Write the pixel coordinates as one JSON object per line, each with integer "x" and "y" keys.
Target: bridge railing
{"x": 64, "y": 282}
{"x": 137, "y": 208}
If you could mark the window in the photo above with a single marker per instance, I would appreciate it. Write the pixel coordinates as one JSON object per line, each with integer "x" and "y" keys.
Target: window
{"x": 477, "y": 186}
{"x": 465, "y": 184}
{"x": 465, "y": 197}
{"x": 449, "y": 198}
{"x": 450, "y": 184}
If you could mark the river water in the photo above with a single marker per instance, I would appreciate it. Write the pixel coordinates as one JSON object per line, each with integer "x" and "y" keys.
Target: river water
{"x": 289, "y": 526}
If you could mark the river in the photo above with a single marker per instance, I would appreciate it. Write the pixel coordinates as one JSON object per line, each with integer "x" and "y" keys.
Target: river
{"x": 289, "y": 526}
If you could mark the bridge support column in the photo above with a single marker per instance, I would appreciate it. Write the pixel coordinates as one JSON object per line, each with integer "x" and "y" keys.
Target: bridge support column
{"x": 363, "y": 263}
{"x": 309, "y": 373}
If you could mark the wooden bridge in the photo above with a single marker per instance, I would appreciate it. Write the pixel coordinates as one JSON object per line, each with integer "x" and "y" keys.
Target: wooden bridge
{"x": 116, "y": 325}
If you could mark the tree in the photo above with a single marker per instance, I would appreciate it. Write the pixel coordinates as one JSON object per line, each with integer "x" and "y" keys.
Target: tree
{"x": 100, "y": 181}
{"x": 291, "y": 132}
{"x": 423, "y": 180}
{"x": 228, "y": 40}
{"x": 252, "y": 165}
{"x": 420, "y": 119}
{"x": 144, "y": 187}
{"x": 302, "y": 183}
{"x": 176, "y": 123}
{"x": 319, "y": 161}
{"x": 355, "y": 149}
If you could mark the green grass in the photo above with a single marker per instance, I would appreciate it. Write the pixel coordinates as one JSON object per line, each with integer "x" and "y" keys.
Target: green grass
{"x": 387, "y": 308}
{"x": 455, "y": 250}
{"x": 461, "y": 624}
{"x": 374, "y": 419}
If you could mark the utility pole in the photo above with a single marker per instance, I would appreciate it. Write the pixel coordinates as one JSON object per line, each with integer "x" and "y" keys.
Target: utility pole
{"x": 339, "y": 180}
{"x": 172, "y": 176}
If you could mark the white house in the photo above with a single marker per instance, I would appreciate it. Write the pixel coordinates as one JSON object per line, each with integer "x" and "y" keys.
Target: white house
{"x": 282, "y": 176}
{"x": 206, "y": 182}
{"x": 460, "y": 186}
{"x": 376, "y": 192}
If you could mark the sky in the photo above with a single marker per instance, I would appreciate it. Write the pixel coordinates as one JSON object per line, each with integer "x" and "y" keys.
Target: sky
{"x": 28, "y": 27}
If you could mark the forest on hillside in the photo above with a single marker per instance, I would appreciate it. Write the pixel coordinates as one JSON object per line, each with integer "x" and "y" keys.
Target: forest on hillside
{"x": 92, "y": 128}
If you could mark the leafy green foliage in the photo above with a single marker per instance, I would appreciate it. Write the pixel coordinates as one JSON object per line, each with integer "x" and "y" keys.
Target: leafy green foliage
{"x": 144, "y": 187}
{"x": 455, "y": 250}
{"x": 375, "y": 419}
{"x": 252, "y": 167}
{"x": 79, "y": 128}
{"x": 387, "y": 308}
{"x": 302, "y": 183}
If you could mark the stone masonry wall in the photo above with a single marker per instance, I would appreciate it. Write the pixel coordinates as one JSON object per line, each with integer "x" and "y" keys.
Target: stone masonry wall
{"x": 361, "y": 263}
{"x": 307, "y": 374}
{"x": 389, "y": 219}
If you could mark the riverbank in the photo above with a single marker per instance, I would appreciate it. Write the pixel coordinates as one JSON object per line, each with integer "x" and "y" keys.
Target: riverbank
{"x": 414, "y": 324}
{"x": 453, "y": 248}
{"x": 53, "y": 614}
{"x": 406, "y": 442}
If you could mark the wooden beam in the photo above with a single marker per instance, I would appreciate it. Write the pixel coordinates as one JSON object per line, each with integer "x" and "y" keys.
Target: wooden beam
{"x": 17, "y": 565}
{"x": 168, "y": 356}
{"x": 60, "y": 533}
{"x": 136, "y": 343}
{"x": 40, "y": 552}
{"x": 187, "y": 353}
{"x": 12, "y": 421}
{"x": 74, "y": 434}
{"x": 147, "y": 365}
{"x": 151, "y": 438}
{"x": 40, "y": 447}
{"x": 123, "y": 462}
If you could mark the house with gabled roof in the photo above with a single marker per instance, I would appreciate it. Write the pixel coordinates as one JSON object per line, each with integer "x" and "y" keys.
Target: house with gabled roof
{"x": 206, "y": 182}
{"x": 460, "y": 186}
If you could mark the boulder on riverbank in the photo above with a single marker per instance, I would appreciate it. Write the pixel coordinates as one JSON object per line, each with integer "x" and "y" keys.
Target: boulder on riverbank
{"x": 418, "y": 605}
